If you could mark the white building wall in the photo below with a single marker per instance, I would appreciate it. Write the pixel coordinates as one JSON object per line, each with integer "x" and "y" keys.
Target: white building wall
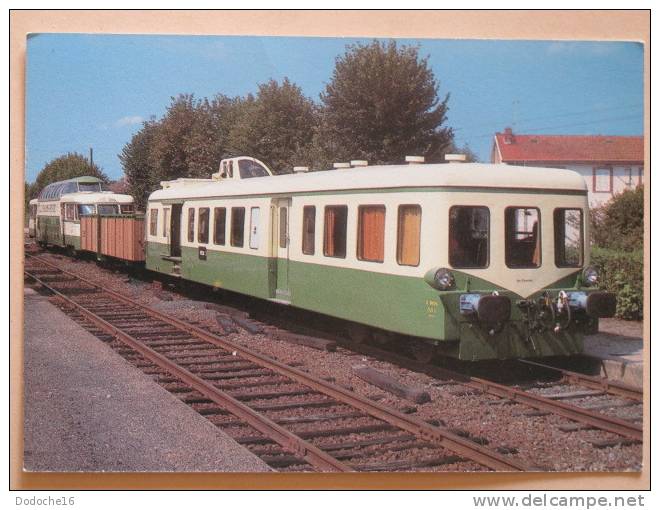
{"x": 609, "y": 181}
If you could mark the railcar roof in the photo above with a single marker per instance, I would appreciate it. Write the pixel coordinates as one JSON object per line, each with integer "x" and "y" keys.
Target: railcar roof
{"x": 453, "y": 175}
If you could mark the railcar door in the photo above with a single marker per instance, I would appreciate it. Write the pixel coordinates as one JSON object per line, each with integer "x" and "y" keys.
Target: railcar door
{"x": 175, "y": 230}
{"x": 280, "y": 218}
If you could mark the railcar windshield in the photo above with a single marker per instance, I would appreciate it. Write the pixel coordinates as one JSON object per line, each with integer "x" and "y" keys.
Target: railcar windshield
{"x": 69, "y": 187}
{"x": 89, "y": 186}
{"x": 569, "y": 237}
{"x": 248, "y": 168}
{"x": 127, "y": 209}
{"x": 108, "y": 209}
{"x": 522, "y": 237}
{"x": 86, "y": 209}
{"x": 469, "y": 232}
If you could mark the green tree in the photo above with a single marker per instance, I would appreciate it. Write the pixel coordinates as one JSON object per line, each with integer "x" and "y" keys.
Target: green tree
{"x": 61, "y": 168}
{"x": 168, "y": 154}
{"x": 274, "y": 126}
{"x": 206, "y": 144}
{"x": 140, "y": 173}
{"x": 382, "y": 104}
{"x": 619, "y": 223}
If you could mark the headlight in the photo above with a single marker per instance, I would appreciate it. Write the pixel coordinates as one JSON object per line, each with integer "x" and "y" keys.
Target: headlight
{"x": 590, "y": 276}
{"x": 440, "y": 278}
{"x": 444, "y": 280}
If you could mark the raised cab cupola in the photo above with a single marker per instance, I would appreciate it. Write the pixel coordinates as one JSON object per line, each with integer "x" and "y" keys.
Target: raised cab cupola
{"x": 242, "y": 167}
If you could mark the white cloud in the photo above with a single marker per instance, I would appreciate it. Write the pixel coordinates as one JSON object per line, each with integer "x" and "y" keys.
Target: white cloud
{"x": 129, "y": 120}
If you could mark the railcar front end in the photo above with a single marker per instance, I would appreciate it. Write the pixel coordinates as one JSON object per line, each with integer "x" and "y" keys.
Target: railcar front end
{"x": 517, "y": 281}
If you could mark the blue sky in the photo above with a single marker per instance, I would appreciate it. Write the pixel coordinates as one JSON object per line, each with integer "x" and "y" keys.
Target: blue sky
{"x": 94, "y": 90}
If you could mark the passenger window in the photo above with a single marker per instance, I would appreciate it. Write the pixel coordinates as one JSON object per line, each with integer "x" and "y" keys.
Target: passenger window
{"x": 70, "y": 212}
{"x": 522, "y": 237}
{"x": 237, "y": 226}
{"x": 153, "y": 222}
{"x": 87, "y": 209}
{"x": 334, "y": 235}
{"x": 219, "y": 221}
{"x": 469, "y": 232}
{"x": 191, "y": 225}
{"x": 108, "y": 209}
{"x": 284, "y": 225}
{"x": 203, "y": 226}
{"x": 408, "y": 235}
{"x": 166, "y": 221}
{"x": 371, "y": 233}
{"x": 309, "y": 229}
{"x": 569, "y": 234}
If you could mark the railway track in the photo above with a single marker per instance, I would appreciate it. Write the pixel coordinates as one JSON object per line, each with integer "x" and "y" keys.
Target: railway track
{"x": 290, "y": 419}
{"x": 551, "y": 399}
{"x": 576, "y": 404}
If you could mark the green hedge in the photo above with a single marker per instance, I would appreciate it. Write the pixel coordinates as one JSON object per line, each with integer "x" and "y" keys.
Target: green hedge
{"x": 622, "y": 272}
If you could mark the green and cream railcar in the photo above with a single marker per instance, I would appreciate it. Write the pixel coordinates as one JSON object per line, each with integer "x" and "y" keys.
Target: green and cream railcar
{"x": 61, "y": 204}
{"x": 475, "y": 261}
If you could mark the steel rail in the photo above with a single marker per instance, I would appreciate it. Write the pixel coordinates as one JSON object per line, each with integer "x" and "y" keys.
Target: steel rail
{"x": 578, "y": 414}
{"x": 442, "y": 437}
{"x": 594, "y": 382}
{"x": 307, "y": 451}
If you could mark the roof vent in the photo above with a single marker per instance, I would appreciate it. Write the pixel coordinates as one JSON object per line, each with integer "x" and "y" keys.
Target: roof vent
{"x": 359, "y": 162}
{"x": 300, "y": 169}
{"x": 456, "y": 158}
{"x": 414, "y": 160}
{"x": 341, "y": 165}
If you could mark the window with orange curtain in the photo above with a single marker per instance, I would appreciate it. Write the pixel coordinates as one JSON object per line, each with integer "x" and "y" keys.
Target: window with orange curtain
{"x": 334, "y": 234}
{"x": 309, "y": 220}
{"x": 408, "y": 235}
{"x": 371, "y": 233}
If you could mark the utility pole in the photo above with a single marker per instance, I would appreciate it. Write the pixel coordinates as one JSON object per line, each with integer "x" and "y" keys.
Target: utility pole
{"x": 91, "y": 157}
{"x": 515, "y": 105}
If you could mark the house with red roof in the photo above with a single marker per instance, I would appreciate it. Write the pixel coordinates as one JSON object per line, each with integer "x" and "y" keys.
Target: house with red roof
{"x": 609, "y": 164}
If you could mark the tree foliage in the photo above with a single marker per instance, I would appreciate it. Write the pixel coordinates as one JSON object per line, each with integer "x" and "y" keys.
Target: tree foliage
{"x": 275, "y": 126}
{"x": 617, "y": 230}
{"x": 61, "y": 168}
{"x": 382, "y": 103}
{"x": 141, "y": 175}
{"x": 619, "y": 223}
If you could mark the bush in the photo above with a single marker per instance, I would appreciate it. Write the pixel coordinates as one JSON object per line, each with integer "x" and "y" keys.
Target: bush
{"x": 622, "y": 273}
{"x": 619, "y": 224}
